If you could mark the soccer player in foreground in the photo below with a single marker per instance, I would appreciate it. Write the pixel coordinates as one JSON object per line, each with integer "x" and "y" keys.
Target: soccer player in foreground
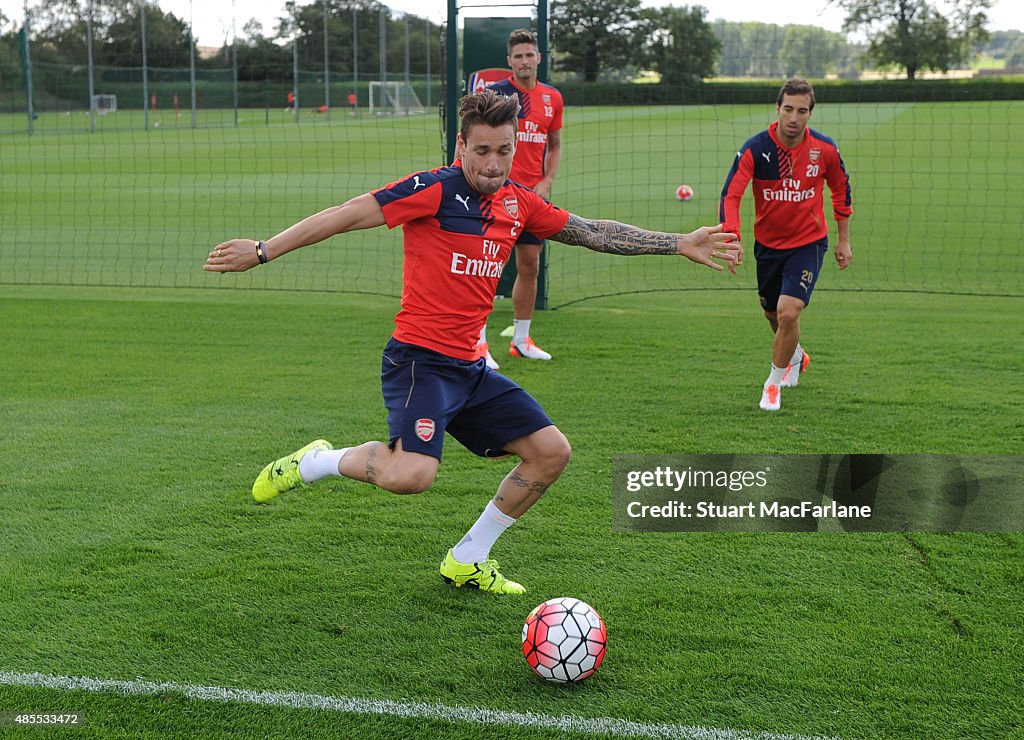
{"x": 789, "y": 164}
{"x": 538, "y": 154}
{"x": 459, "y": 223}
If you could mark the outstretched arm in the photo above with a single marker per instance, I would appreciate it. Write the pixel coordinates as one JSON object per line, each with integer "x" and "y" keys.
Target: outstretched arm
{"x": 239, "y": 255}
{"x": 703, "y": 246}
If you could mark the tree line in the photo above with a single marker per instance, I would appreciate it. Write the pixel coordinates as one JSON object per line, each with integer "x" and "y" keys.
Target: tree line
{"x": 591, "y": 36}
{"x": 590, "y": 39}
{"x": 60, "y": 33}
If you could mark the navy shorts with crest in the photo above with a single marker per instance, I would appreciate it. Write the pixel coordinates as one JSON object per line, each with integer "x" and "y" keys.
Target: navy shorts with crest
{"x": 428, "y": 393}
{"x": 790, "y": 272}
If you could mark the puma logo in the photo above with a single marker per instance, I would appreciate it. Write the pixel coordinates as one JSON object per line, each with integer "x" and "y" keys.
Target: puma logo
{"x": 463, "y": 199}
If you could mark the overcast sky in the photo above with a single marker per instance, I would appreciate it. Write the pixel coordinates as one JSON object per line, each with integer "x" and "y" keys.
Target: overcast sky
{"x": 212, "y": 19}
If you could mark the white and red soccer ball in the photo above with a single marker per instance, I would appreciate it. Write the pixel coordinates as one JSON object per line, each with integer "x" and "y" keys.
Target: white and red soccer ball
{"x": 564, "y": 640}
{"x": 684, "y": 193}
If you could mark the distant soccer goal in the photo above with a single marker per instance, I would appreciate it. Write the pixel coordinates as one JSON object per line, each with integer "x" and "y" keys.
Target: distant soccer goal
{"x": 104, "y": 104}
{"x": 394, "y": 97}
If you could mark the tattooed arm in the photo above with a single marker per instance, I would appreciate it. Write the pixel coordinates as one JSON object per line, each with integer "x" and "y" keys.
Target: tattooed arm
{"x": 700, "y": 246}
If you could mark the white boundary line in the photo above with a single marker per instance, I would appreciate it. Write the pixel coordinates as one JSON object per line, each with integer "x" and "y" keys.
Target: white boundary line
{"x": 419, "y": 710}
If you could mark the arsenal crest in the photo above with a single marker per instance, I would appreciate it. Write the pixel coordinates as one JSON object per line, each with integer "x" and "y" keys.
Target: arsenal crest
{"x": 814, "y": 154}
{"x": 512, "y": 206}
{"x": 546, "y": 98}
{"x": 483, "y": 77}
{"x": 425, "y": 429}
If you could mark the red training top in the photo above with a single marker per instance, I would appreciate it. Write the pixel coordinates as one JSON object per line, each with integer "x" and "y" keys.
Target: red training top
{"x": 788, "y": 188}
{"x": 456, "y": 244}
{"x": 540, "y": 112}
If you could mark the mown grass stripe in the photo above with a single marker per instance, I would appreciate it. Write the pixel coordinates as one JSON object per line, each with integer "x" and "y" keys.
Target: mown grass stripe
{"x": 301, "y": 700}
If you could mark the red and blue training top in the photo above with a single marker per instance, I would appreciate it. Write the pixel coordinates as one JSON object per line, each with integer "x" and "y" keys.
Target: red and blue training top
{"x": 456, "y": 243}
{"x": 788, "y": 188}
{"x": 540, "y": 112}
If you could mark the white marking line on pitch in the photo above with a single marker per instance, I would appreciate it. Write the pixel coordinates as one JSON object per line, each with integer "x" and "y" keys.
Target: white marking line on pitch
{"x": 419, "y": 710}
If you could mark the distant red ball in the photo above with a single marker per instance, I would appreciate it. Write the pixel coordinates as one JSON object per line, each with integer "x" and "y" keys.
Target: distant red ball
{"x": 684, "y": 193}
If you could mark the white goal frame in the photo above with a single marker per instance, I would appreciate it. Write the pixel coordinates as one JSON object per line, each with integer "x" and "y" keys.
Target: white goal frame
{"x": 104, "y": 104}
{"x": 394, "y": 97}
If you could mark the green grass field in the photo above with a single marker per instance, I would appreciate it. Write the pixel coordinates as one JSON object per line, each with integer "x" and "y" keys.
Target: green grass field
{"x": 134, "y": 419}
{"x": 937, "y": 189}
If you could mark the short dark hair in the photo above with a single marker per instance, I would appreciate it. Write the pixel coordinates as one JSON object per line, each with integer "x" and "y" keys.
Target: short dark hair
{"x": 796, "y": 86}
{"x": 521, "y": 36}
{"x": 489, "y": 108}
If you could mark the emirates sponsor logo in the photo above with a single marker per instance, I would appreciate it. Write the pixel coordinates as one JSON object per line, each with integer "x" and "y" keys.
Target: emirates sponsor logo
{"x": 463, "y": 264}
{"x": 814, "y": 154}
{"x": 512, "y": 206}
{"x": 788, "y": 196}
{"x": 425, "y": 429}
{"x": 532, "y": 138}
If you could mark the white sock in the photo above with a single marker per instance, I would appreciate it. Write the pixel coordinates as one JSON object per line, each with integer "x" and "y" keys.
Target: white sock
{"x": 320, "y": 464}
{"x": 522, "y": 330}
{"x": 483, "y": 335}
{"x": 476, "y": 545}
{"x": 798, "y": 355}
{"x": 775, "y": 376}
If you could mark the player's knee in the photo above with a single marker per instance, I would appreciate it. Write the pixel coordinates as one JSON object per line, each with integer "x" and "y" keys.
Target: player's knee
{"x": 408, "y": 484}
{"x": 788, "y": 315}
{"x": 408, "y": 479}
{"x": 547, "y": 451}
{"x": 557, "y": 451}
{"x": 529, "y": 270}
{"x": 527, "y": 262}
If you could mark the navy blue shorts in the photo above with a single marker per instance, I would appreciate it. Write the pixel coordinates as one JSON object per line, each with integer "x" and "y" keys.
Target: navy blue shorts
{"x": 428, "y": 393}
{"x": 790, "y": 272}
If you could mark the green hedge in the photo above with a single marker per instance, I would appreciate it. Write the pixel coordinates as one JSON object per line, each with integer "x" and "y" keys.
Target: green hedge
{"x": 831, "y": 91}
{"x": 61, "y": 89}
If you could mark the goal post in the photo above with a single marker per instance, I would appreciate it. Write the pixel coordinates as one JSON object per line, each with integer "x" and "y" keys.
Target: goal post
{"x": 485, "y": 60}
{"x": 394, "y": 97}
{"x": 104, "y": 104}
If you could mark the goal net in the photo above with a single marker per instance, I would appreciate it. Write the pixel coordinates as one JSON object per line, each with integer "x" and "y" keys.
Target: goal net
{"x": 104, "y": 104}
{"x": 394, "y": 97}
